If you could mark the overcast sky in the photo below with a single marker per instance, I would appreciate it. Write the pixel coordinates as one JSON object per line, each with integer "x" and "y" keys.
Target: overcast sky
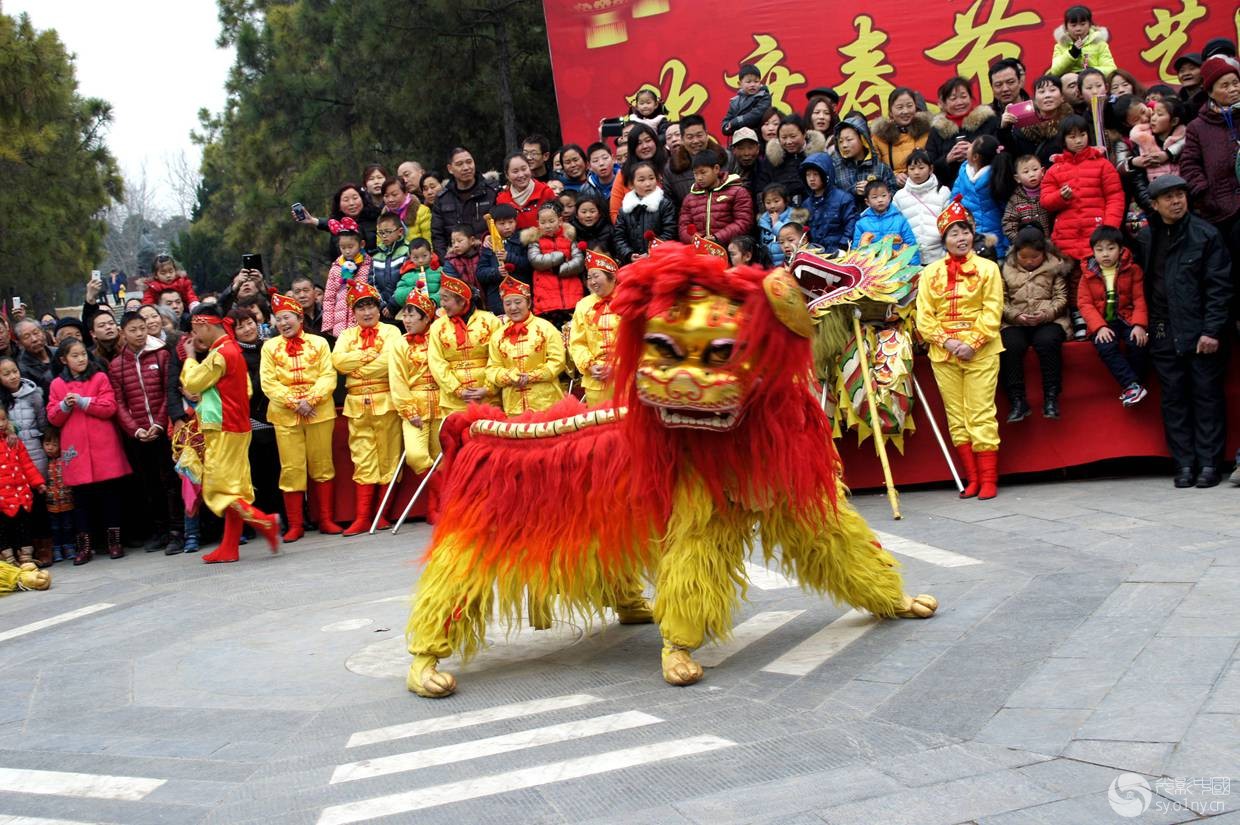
{"x": 155, "y": 61}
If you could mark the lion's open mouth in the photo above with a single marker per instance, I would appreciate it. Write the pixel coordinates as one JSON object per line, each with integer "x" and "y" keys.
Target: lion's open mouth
{"x": 698, "y": 419}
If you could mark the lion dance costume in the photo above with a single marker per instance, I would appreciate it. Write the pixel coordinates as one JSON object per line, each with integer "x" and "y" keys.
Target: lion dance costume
{"x": 720, "y": 433}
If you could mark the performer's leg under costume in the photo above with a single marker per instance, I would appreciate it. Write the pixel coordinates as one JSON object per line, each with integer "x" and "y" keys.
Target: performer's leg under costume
{"x": 374, "y": 443}
{"x": 227, "y": 490}
{"x": 303, "y": 445}
{"x": 421, "y": 444}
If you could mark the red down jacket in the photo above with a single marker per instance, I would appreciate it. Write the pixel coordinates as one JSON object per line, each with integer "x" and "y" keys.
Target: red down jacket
{"x": 17, "y": 475}
{"x": 724, "y": 212}
{"x": 1097, "y": 198}
{"x": 140, "y": 384}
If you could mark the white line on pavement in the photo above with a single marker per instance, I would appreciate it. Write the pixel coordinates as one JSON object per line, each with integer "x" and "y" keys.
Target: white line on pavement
{"x": 824, "y": 644}
{"x": 437, "y": 795}
{"x": 469, "y": 718}
{"x": 506, "y": 743}
{"x": 54, "y": 620}
{"x": 743, "y": 635}
{"x": 94, "y": 786}
{"x": 924, "y": 552}
{"x": 6, "y": 819}
{"x": 764, "y": 578}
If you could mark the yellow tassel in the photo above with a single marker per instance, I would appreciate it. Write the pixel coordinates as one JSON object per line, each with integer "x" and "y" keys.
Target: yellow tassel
{"x": 840, "y": 557}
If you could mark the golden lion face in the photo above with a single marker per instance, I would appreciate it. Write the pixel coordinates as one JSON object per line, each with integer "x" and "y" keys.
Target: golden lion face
{"x": 687, "y": 371}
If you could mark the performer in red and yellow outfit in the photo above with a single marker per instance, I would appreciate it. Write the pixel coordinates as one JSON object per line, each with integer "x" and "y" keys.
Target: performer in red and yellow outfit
{"x": 526, "y": 354}
{"x": 222, "y": 382}
{"x": 458, "y": 348}
{"x": 298, "y": 378}
{"x": 593, "y": 332}
{"x": 413, "y": 387}
{"x": 362, "y": 353}
{"x": 959, "y": 308}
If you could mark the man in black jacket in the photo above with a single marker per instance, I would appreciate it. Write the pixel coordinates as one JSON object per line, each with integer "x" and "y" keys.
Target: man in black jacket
{"x": 1188, "y": 290}
{"x": 465, "y": 199}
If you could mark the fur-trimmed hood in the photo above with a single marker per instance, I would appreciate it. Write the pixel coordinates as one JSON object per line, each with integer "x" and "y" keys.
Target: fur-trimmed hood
{"x": 680, "y": 161}
{"x": 886, "y": 130}
{"x": 1097, "y": 34}
{"x": 531, "y": 234}
{"x": 815, "y": 142}
{"x": 971, "y": 123}
{"x": 651, "y": 202}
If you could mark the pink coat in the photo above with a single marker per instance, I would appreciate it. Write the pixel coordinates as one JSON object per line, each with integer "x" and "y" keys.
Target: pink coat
{"x": 90, "y": 446}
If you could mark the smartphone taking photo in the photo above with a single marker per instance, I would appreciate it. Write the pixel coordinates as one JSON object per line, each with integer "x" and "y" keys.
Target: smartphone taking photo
{"x": 252, "y": 260}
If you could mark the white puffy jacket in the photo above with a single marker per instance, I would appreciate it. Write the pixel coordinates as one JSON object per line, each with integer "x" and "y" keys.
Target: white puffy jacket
{"x": 921, "y": 204}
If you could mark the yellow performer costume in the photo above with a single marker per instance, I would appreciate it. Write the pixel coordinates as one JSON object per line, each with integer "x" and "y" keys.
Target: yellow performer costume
{"x": 960, "y": 305}
{"x": 459, "y": 347}
{"x": 222, "y": 383}
{"x": 414, "y": 390}
{"x": 363, "y": 353}
{"x": 530, "y": 347}
{"x": 717, "y": 438}
{"x": 297, "y": 376}
{"x": 592, "y": 336}
{"x": 26, "y": 576}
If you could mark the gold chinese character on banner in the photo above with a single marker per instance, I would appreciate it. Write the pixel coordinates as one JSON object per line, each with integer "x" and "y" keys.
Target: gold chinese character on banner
{"x": 974, "y": 46}
{"x": 1168, "y": 34}
{"x": 678, "y": 95}
{"x": 769, "y": 57}
{"x": 865, "y": 86}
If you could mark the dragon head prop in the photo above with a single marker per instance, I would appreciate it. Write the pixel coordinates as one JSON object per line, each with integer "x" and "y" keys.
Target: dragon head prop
{"x": 698, "y": 338}
{"x": 874, "y": 270}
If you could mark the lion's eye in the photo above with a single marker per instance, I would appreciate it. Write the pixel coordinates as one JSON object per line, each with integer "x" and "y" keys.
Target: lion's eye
{"x": 718, "y": 353}
{"x": 665, "y": 346}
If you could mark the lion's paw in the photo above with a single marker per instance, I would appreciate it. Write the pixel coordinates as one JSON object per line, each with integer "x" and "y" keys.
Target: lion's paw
{"x": 921, "y": 606}
{"x": 679, "y": 668}
{"x": 425, "y": 680}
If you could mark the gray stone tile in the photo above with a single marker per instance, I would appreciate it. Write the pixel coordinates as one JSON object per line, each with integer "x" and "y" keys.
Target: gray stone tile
{"x": 944, "y": 803}
{"x": 787, "y": 797}
{"x": 940, "y": 765}
{"x": 1144, "y": 599}
{"x": 1041, "y": 730}
{"x": 1092, "y": 808}
{"x": 1068, "y": 777}
{"x": 1066, "y": 683}
{"x": 1226, "y": 696}
{"x": 1136, "y": 757}
{"x": 1116, "y": 639}
{"x": 1143, "y": 712}
{"x": 1192, "y": 661}
{"x": 1210, "y": 747}
{"x": 662, "y": 815}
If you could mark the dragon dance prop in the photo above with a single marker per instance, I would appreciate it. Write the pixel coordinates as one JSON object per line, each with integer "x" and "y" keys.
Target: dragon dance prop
{"x": 869, "y": 367}
{"x": 713, "y": 441}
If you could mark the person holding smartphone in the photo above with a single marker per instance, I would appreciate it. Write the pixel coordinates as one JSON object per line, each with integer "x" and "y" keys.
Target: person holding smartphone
{"x": 959, "y": 121}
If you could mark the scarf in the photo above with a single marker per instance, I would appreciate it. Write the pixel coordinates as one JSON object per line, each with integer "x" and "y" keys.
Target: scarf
{"x": 460, "y": 325}
{"x": 368, "y": 336}
{"x": 294, "y": 345}
{"x": 416, "y": 338}
{"x": 515, "y": 330}
{"x": 602, "y": 306}
{"x": 957, "y": 119}
{"x": 521, "y": 197}
{"x": 956, "y": 267}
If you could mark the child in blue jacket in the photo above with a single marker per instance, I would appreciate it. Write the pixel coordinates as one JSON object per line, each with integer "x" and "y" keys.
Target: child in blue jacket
{"x": 880, "y": 219}
{"x": 973, "y": 184}
{"x": 832, "y": 211}
{"x": 776, "y": 212}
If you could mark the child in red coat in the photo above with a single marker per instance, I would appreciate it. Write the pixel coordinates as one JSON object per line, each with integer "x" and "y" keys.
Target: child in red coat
{"x": 1081, "y": 189}
{"x": 18, "y": 477}
{"x": 1111, "y": 298}
{"x": 167, "y": 274}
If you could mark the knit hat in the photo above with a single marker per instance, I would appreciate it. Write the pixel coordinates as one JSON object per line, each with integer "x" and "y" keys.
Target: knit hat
{"x": 953, "y": 214}
{"x": 744, "y": 134}
{"x": 455, "y": 286}
{"x": 511, "y": 286}
{"x": 749, "y": 69}
{"x": 421, "y": 301}
{"x": 360, "y": 291}
{"x": 601, "y": 261}
{"x": 1218, "y": 45}
{"x": 283, "y": 303}
{"x": 1216, "y": 68}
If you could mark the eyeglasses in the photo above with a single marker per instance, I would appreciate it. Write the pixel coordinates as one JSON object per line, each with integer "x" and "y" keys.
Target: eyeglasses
{"x": 387, "y": 233}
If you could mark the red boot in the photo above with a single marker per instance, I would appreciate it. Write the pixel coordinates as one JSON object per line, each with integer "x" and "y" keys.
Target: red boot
{"x": 363, "y": 510}
{"x": 969, "y": 460}
{"x": 383, "y": 524}
{"x": 228, "y": 549}
{"x": 267, "y": 526}
{"x": 988, "y": 469}
{"x": 326, "y": 495}
{"x": 296, "y": 524}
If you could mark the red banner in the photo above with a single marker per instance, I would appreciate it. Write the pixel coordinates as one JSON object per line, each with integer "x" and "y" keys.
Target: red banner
{"x": 604, "y": 51}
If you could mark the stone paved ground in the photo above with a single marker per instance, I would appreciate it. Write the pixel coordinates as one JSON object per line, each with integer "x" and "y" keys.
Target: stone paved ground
{"x": 1084, "y": 655}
